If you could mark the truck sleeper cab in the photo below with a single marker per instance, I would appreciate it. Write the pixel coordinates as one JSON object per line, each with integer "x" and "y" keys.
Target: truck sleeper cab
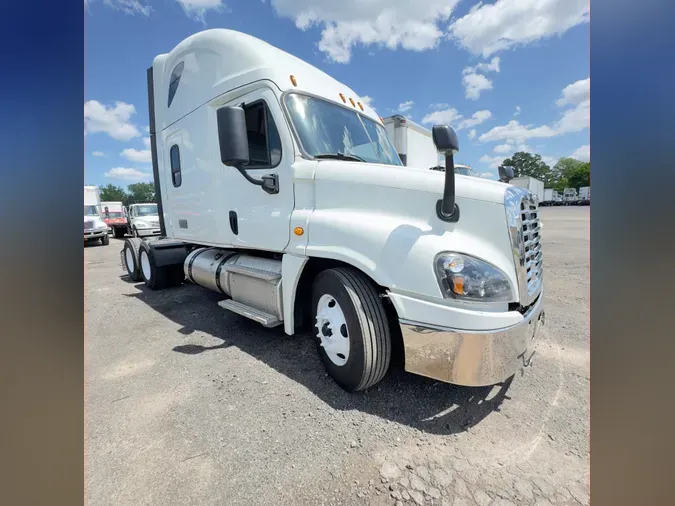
{"x": 278, "y": 187}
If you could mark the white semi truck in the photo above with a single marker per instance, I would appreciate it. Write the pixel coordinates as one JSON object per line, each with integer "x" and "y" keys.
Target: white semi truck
{"x": 551, "y": 197}
{"x": 143, "y": 220}
{"x": 278, "y": 188}
{"x": 94, "y": 227}
{"x": 570, "y": 196}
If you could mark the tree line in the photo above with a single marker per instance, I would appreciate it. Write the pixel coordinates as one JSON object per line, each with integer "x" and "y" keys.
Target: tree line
{"x": 566, "y": 173}
{"x": 136, "y": 193}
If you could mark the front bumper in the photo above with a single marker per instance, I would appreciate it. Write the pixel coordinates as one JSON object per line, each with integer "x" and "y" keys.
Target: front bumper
{"x": 471, "y": 357}
{"x": 95, "y": 234}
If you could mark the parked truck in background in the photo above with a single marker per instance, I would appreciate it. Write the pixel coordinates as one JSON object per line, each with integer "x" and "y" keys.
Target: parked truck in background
{"x": 115, "y": 216}
{"x": 584, "y": 196}
{"x": 94, "y": 227}
{"x": 297, "y": 209}
{"x": 534, "y": 185}
{"x": 143, "y": 220}
{"x": 569, "y": 196}
{"x": 550, "y": 197}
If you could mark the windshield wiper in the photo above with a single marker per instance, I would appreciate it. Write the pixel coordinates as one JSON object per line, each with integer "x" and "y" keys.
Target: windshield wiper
{"x": 340, "y": 156}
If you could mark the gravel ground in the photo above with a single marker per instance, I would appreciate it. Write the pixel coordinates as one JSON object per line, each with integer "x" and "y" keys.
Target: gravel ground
{"x": 187, "y": 403}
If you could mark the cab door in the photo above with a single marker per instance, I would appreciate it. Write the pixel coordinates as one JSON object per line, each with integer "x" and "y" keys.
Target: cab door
{"x": 257, "y": 219}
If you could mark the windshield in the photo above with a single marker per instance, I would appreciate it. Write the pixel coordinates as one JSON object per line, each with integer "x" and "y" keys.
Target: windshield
{"x": 90, "y": 211}
{"x": 149, "y": 210}
{"x": 114, "y": 214}
{"x": 329, "y": 129}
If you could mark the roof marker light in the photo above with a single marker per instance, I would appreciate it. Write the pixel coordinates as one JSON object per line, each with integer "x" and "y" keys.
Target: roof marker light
{"x": 352, "y": 101}
{"x": 361, "y": 106}
{"x": 294, "y": 80}
{"x": 343, "y": 98}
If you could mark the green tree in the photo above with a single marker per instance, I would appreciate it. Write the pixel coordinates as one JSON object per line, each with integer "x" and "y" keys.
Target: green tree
{"x": 566, "y": 167}
{"x": 528, "y": 164}
{"x": 140, "y": 192}
{"x": 112, "y": 193}
{"x": 581, "y": 176}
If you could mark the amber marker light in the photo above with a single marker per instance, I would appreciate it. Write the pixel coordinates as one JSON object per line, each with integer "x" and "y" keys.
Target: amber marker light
{"x": 298, "y": 231}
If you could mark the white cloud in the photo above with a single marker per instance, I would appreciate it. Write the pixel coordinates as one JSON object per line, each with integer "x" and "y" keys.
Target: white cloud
{"x": 367, "y": 100}
{"x": 517, "y": 111}
{"x": 583, "y": 153}
{"x": 577, "y": 118}
{"x": 493, "y": 161}
{"x": 573, "y": 119}
{"x": 503, "y": 148}
{"x": 98, "y": 153}
{"x": 131, "y": 7}
{"x": 455, "y": 119}
{"x": 385, "y": 23}
{"x": 549, "y": 160}
{"x": 490, "y": 28}
{"x": 492, "y": 66}
{"x": 444, "y": 117}
{"x": 474, "y": 84}
{"x": 127, "y": 174}
{"x": 477, "y": 118}
{"x": 111, "y": 120}
{"x": 136, "y": 155}
{"x": 197, "y": 9}
{"x": 472, "y": 134}
{"x": 516, "y": 132}
{"x": 405, "y": 106}
{"x": 575, "y": 93}
{"x": 146, "y": 142}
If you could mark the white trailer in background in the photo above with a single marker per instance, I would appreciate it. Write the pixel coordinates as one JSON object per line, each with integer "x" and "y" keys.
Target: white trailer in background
{"x": 584, "y": 195}
{"x": 413, "y": 143}
{"x": 534, "y": 185}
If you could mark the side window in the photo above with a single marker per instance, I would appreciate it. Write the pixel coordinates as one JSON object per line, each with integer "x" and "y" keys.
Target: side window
{"x": 264, "y": 143}
{"x": 174, "y": 155}
{"x": 174, "y": 80}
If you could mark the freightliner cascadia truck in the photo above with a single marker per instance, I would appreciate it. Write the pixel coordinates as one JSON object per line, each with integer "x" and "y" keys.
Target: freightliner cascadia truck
{"x": 278, "y": 187}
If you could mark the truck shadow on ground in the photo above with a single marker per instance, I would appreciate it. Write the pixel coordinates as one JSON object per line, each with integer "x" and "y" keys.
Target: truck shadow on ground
{"x": 405, "y": 398}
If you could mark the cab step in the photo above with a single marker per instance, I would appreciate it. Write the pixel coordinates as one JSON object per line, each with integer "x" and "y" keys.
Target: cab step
{"x": 265, "y": 319}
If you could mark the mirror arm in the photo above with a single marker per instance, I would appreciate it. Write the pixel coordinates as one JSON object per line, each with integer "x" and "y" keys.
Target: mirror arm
{"x": 269, "y": 182}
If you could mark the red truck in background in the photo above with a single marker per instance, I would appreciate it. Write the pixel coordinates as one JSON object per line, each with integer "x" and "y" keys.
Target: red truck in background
{"x": 115, "y": 216}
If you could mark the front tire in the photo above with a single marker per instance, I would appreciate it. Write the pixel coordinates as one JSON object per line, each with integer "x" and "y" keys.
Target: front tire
{"x": 135, "y": 232}
{"x": 351, "y": 328}
{"x": 105, "y": 240}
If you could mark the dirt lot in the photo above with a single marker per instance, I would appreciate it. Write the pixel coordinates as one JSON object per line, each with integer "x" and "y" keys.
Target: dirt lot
{"x": 189, "y": 404}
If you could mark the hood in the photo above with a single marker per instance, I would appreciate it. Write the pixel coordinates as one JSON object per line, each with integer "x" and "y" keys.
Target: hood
{"x": 410, "y": 178}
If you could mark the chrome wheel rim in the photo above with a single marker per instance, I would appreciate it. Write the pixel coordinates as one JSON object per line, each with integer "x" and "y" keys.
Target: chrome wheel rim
{"x": 331, "y": 328}
{"x": 145, "y": 265}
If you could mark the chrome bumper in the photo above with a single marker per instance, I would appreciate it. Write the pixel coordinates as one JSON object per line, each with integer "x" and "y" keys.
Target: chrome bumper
{"x": 95, "y": 234}
{"x": 471, "y": 358}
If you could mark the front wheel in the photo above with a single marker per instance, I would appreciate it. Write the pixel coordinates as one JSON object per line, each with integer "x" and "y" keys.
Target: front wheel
{"x": 351, "y": 327}
{"x": 105, "y": 240}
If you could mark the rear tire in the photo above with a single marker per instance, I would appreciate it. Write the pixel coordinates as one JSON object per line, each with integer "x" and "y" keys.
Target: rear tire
{"x": 368, "y": 352}
{"x": 131, "y": 261}
{"x": 158, "y": 278}
{"x": 105, "y": 240}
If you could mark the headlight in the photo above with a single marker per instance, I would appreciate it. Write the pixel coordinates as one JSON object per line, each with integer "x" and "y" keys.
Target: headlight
{"x": 141, "y": 224}
{"x": 464, "y": 277}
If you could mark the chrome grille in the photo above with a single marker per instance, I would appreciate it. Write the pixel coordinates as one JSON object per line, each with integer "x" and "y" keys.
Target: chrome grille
{"x": 522, "y": 215}
{"x": 529, "y": 214}
{"x": 88, "y": 225}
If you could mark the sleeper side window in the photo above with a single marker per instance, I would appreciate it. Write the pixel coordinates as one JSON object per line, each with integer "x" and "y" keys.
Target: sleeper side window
{"x": 264, "y": 143}
{"x": 174, "y": 81}
{"x": 174, "y": 155}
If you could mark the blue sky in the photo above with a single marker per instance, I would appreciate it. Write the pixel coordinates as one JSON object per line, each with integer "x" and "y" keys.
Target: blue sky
{"x": 509, "y": 75}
